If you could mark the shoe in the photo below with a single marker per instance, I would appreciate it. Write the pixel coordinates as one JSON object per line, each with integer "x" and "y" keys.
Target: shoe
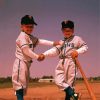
{"x": 70, "y": 93}
{"x": 19, "y": 94}
{"x": 75, "y": 96}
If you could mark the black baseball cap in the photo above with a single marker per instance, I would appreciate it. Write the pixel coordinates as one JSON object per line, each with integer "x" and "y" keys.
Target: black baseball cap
{"x": 27, "y": 19}
{"x": 67, "y": 24}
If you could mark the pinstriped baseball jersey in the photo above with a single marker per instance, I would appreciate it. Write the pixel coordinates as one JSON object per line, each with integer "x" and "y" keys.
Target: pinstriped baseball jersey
{"x": 73, "y": 43}
{"x": 25, "y": 39}
{"x": 22, "y": 40}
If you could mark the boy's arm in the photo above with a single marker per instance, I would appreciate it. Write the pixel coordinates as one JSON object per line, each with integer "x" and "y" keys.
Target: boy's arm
{"x": 49, "y": 53}
{"x": 83, "y": 49}
{"x": 24, "y": 45}
{"x": 47, "y": 42}
{"x": 27, "y": 51}
{"x": 52, "y": 52}
{"x": 82, "y": 46}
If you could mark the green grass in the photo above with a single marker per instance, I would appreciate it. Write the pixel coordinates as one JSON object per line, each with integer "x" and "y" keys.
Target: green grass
{"x": 6, "y": 85}
{"x": 36, "y": 84}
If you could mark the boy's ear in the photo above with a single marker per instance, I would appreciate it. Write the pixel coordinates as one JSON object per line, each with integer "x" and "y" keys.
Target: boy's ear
{"x": 22, "y": 26}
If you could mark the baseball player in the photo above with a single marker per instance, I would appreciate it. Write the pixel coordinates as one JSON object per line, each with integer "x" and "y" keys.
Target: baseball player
{"x": 25, "y": 45}
{"x": 70, "y": 48}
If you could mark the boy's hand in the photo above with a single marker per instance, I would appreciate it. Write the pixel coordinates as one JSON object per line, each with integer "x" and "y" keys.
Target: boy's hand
{"x": 74, "y": 54}
{"x": 55, "y": 43}
{"x": 41, "y": 57}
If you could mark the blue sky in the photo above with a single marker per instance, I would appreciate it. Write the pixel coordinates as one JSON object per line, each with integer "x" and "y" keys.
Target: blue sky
{"x": 49, "y": 14}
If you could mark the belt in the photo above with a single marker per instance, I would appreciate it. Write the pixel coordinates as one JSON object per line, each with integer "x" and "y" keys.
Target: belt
{"x": 26, "y": 60}
{"x": 64, "y": 57}
{"x": 30, "y": 61}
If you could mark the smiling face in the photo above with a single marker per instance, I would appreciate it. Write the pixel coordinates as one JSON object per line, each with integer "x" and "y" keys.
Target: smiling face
{"x": 27, "y": 28}
{"x": 68, "y": 32}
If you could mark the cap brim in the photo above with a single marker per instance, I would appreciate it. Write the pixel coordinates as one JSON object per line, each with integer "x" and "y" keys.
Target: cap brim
{"x": 35, "y": 23}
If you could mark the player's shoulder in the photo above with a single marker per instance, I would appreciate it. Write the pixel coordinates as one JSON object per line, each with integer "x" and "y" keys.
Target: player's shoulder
{"x": 23, "y": 35}
{"x": 61, "y": 42}
{"x": 77, "y": 37}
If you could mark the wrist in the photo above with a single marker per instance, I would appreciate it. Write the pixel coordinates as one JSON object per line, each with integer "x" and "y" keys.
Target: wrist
{"x": 55, "y": 43}
{"x": 37, "y": 57}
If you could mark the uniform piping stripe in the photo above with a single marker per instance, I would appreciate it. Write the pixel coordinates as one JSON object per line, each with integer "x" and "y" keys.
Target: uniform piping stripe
{"x": 83, "y": 45}
{"x": 18, "y": 70}
{"x": 75, "y": 74}
{"x": 24, "y": 45}
{"x": 58, "y": 50}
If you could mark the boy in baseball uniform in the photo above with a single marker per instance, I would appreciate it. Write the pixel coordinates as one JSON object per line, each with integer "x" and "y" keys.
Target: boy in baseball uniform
{"x": 70, "y": 48}
{"x": 25, "y": 44}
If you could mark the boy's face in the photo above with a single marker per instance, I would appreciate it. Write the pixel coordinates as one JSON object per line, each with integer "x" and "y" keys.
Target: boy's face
{"x": 68, "y": 32}
{"x": 27, "y": 28}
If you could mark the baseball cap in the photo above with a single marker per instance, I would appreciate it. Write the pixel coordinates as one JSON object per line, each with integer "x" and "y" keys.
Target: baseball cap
{"x": 27, "y": 19}
{"x": 67, "y": 24}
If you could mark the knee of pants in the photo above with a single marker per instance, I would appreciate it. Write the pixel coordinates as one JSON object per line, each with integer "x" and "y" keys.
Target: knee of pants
{"x": 59, "y": 82}
{"x": 71, "y": 80}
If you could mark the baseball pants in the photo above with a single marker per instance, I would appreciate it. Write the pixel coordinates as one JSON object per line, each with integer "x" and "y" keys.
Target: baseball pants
{"x": 65, "y": 73}
{"x": 20, "y": 75}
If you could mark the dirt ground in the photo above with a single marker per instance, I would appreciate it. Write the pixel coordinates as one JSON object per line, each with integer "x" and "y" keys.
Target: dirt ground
{"x": 50, "y": 92}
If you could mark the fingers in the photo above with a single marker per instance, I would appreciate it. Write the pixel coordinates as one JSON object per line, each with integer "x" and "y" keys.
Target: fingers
{"x": 56, "y": 43}
{"x": 74, "y": 54}
{"x": 41, "y": 57}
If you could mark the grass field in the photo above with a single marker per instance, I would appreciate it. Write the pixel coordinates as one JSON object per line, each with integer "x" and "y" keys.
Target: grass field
{"x": 47, "y": 91}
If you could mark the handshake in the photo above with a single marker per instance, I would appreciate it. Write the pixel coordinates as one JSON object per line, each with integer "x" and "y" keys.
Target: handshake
{"x": 41, "y": 57}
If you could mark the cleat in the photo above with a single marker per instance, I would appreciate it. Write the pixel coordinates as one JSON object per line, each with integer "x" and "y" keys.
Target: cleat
{"x": 76, "y": 96}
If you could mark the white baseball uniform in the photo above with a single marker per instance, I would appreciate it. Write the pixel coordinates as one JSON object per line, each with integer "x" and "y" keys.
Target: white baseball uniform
{"x": 65, "y": 70}
{"x": 24, "y": 54}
